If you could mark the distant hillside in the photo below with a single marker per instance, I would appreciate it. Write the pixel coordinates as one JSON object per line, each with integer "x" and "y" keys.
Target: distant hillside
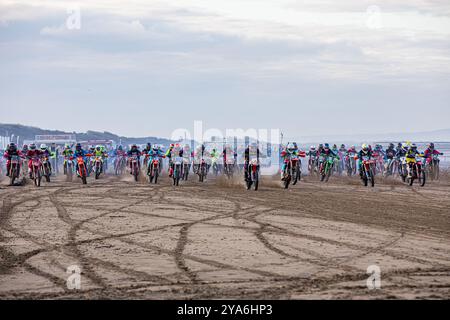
{"x": 29, "y": 133}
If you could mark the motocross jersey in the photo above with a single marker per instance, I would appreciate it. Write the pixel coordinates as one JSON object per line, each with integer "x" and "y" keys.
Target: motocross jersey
{"x": 411, "y": 154}
{"x": 429, "y": 152}
{"x": 34, "y": 153}
{"x": 312, "y": 153}
{"x": 119, "y": 153}
{"x": 390, "y": 153}
{"x": 99, "y": 153}
{"x": 155, "y": 153}
{"x": 136, "y": 153}
{"x": 67, "y": 153}
{"x": 401, "y": 152}
{"x": 247, "y": 154}
{"x": 329, "y": 153}
{"x": 80, "y": 153}
{"x": 362, "y": 154}
{"x": 9, "y": 153}
{"x": 285, "y": 153}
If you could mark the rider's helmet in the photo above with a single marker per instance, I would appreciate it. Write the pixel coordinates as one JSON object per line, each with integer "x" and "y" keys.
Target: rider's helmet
{"x": 321, "y": 146}
{"x": 334, "y": 147}
{"x": 326, "y": 146}
{"x": 98, "y": 148}
{"x": 25, "y": 147}
{"x": 391, "y": 146}
{"x": 342, "y": 146}
{"x": 155, "y": 147}
{"x": 353, "y": 148}
{"x": 312, "y": 148}
{"x": 66, "y": 146}
{"x": 365, "y": 147}
{"x": 134, "y": 147}
{"x": 92, "y": 148}
{"x": 32, "y": 146}
{"x": 413, "y": 147}
{"x": 290, "y": 147}
{"x": 431, "y": 146}
{"x": 78, "y": 146}
{"x": 404, "y": 145}
{"x": 12, "y": 146}
{"x": 43, "y": 146}
{"x": 120, "y": 148}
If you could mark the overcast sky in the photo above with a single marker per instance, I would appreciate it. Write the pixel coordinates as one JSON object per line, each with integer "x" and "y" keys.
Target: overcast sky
{"x": 143, "y": 67}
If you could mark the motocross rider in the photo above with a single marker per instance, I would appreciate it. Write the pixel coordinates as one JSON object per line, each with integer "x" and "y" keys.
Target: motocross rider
{"x": 32, "y": 153}
{"x": 100, "y": 153}
{"x": 67, "y": 153}
{"x": 411, "y": 154}
{"x": 153, "y": 154}
{"x": 390, "y": 152}
{"x": 250, "y": 150}
{"x": 365, "y": 152}
{"x": 430, "y": 151}
{"x": 290, "y": 150}
{"x": 134, "y": 152}
{"x": 46, "y": 153}
{"x": 9, "y": 153}
{"x": 79, "y": 152}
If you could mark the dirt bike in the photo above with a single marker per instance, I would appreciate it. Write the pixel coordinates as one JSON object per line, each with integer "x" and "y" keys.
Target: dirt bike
{"x": 90, "y": 165}
{"x": 325, "y": 167}
{"x": 339, "y": 164}
{"x": 416, "y": 172}
{"x": 145, "y": 162}
{"x": 46, "y": 171}
{"x": 253, "y": 174}
{"x": 186, "y": 168}
{"x": 312, "y": 165}
{"x": 379, "y": 163}
{"x": 153, "y": 170}
{"x": 292, "y": 171}
{"x": 391, "y": 167}
{"x": 229, "y": 168}
{"x": 134, "y": 162}
{"x": 350, "y": 164}
{"x": 68, "y": 167}
{"x": 82, "y": 171}
{"x": 105, "y": 163}
{"x": 119, "y": 165}
{"x": 36, "y": 171}
{"x": 98, "y": 166}
{"x": 432, "y": 167}
{"x": 368, "y": 171}
{"x": 14, "y": 169}
{"x": 177, "y": 170}
{"x": 202, "y": 170}
{"x": 215, "y": 166}
{"x": 402, "y": 168}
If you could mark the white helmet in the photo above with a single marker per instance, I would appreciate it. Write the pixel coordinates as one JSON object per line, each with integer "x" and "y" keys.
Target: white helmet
{"x": 290, "y": 146}
{"x": 43, "y": 146}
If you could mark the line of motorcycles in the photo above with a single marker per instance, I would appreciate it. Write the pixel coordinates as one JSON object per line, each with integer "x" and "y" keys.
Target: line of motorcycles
{"x": 409, "y": 170}
{"x": 179, "y": 168}
{"x": 39, "y": 169}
